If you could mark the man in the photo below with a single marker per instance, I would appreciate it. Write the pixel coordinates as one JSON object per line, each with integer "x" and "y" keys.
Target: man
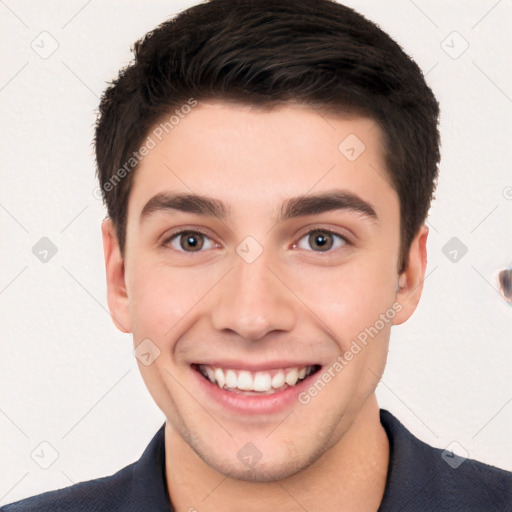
{"x": 267, "y": 169}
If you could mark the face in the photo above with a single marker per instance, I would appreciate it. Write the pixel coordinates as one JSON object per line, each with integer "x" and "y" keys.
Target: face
{"x": 262, "y": 251}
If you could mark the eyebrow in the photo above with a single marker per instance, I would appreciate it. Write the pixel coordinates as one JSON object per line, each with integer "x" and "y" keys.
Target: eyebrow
{"x": 190, "y": 203}
{"x": 325, "y": 202}
{"x": 299, "y": 206}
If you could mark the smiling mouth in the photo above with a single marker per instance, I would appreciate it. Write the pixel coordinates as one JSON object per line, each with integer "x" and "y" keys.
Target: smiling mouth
{"x": 258, "y": 382}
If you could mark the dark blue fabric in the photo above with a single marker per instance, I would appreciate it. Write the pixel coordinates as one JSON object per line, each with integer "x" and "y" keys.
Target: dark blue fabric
{"x": 139, "y": 487}
{"x": 419, "y": 480}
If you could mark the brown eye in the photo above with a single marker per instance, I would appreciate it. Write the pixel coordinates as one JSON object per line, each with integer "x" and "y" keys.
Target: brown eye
{"x": 190, "y": 241}
{"x": 320, "y": 240}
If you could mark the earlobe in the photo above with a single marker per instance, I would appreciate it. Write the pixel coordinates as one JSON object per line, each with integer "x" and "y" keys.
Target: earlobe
{"x": 117, "y": 296}
{"x": 410, "y": 281}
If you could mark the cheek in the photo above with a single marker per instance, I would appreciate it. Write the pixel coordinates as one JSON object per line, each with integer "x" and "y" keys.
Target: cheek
{"x": 158, "y": 299}
{"x": 162, "y": 306}
{"x": 163, "y": 300}
{"x": 351, "y": 298}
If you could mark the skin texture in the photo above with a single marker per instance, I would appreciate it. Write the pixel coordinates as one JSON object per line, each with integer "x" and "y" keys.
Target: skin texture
{"x": 293, "y": 303}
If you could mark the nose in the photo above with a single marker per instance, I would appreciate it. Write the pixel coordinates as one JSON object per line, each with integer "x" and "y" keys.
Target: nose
{"x": 253, "y": 302}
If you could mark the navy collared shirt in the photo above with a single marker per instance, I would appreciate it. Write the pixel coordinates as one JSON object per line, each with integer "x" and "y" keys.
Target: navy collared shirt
{"x": 420, "y": 478}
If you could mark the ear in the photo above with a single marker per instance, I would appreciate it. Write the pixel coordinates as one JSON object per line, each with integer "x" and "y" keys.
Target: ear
{"x": 410, "y": 281}
{"x": 117, "y": 297}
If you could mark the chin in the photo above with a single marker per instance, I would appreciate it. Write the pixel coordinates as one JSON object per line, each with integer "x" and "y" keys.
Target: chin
{"x": 247, "y": 463}
{"x": 269, "y": 471}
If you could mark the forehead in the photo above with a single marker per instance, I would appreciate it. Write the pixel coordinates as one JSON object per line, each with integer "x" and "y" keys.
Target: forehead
{"x": 258, "y": 158}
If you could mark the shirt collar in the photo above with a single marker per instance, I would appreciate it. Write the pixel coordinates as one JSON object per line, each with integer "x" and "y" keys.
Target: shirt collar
{"x": 409, "y": 470}
{"x": 149, "y": 491}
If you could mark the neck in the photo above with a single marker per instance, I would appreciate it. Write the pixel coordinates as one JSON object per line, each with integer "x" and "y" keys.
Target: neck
{"x": 350, "y": 476}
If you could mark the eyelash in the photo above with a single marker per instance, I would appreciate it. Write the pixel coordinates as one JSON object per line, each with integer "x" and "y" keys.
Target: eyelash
{"x": 168, "y": 240}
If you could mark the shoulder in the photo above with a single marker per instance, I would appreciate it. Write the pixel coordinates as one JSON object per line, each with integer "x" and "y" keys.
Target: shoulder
{"x": 422, "y": 477}
{"x": 466, "y": 484}
{"x": 100, "y": 494}
{"x": 139, "y": 486}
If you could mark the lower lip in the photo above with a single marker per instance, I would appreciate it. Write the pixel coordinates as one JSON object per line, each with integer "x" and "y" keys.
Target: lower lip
{"x": 252, "y": 404}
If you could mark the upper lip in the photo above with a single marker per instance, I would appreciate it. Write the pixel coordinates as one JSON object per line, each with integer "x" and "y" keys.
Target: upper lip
{"x": 251, "y": 367}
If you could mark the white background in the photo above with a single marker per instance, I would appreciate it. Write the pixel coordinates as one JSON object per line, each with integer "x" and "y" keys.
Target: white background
{"x": 70, "y": 379}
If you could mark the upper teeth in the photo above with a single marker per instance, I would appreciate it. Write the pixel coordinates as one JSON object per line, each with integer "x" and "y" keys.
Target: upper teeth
{"x": 262, "y": 381}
